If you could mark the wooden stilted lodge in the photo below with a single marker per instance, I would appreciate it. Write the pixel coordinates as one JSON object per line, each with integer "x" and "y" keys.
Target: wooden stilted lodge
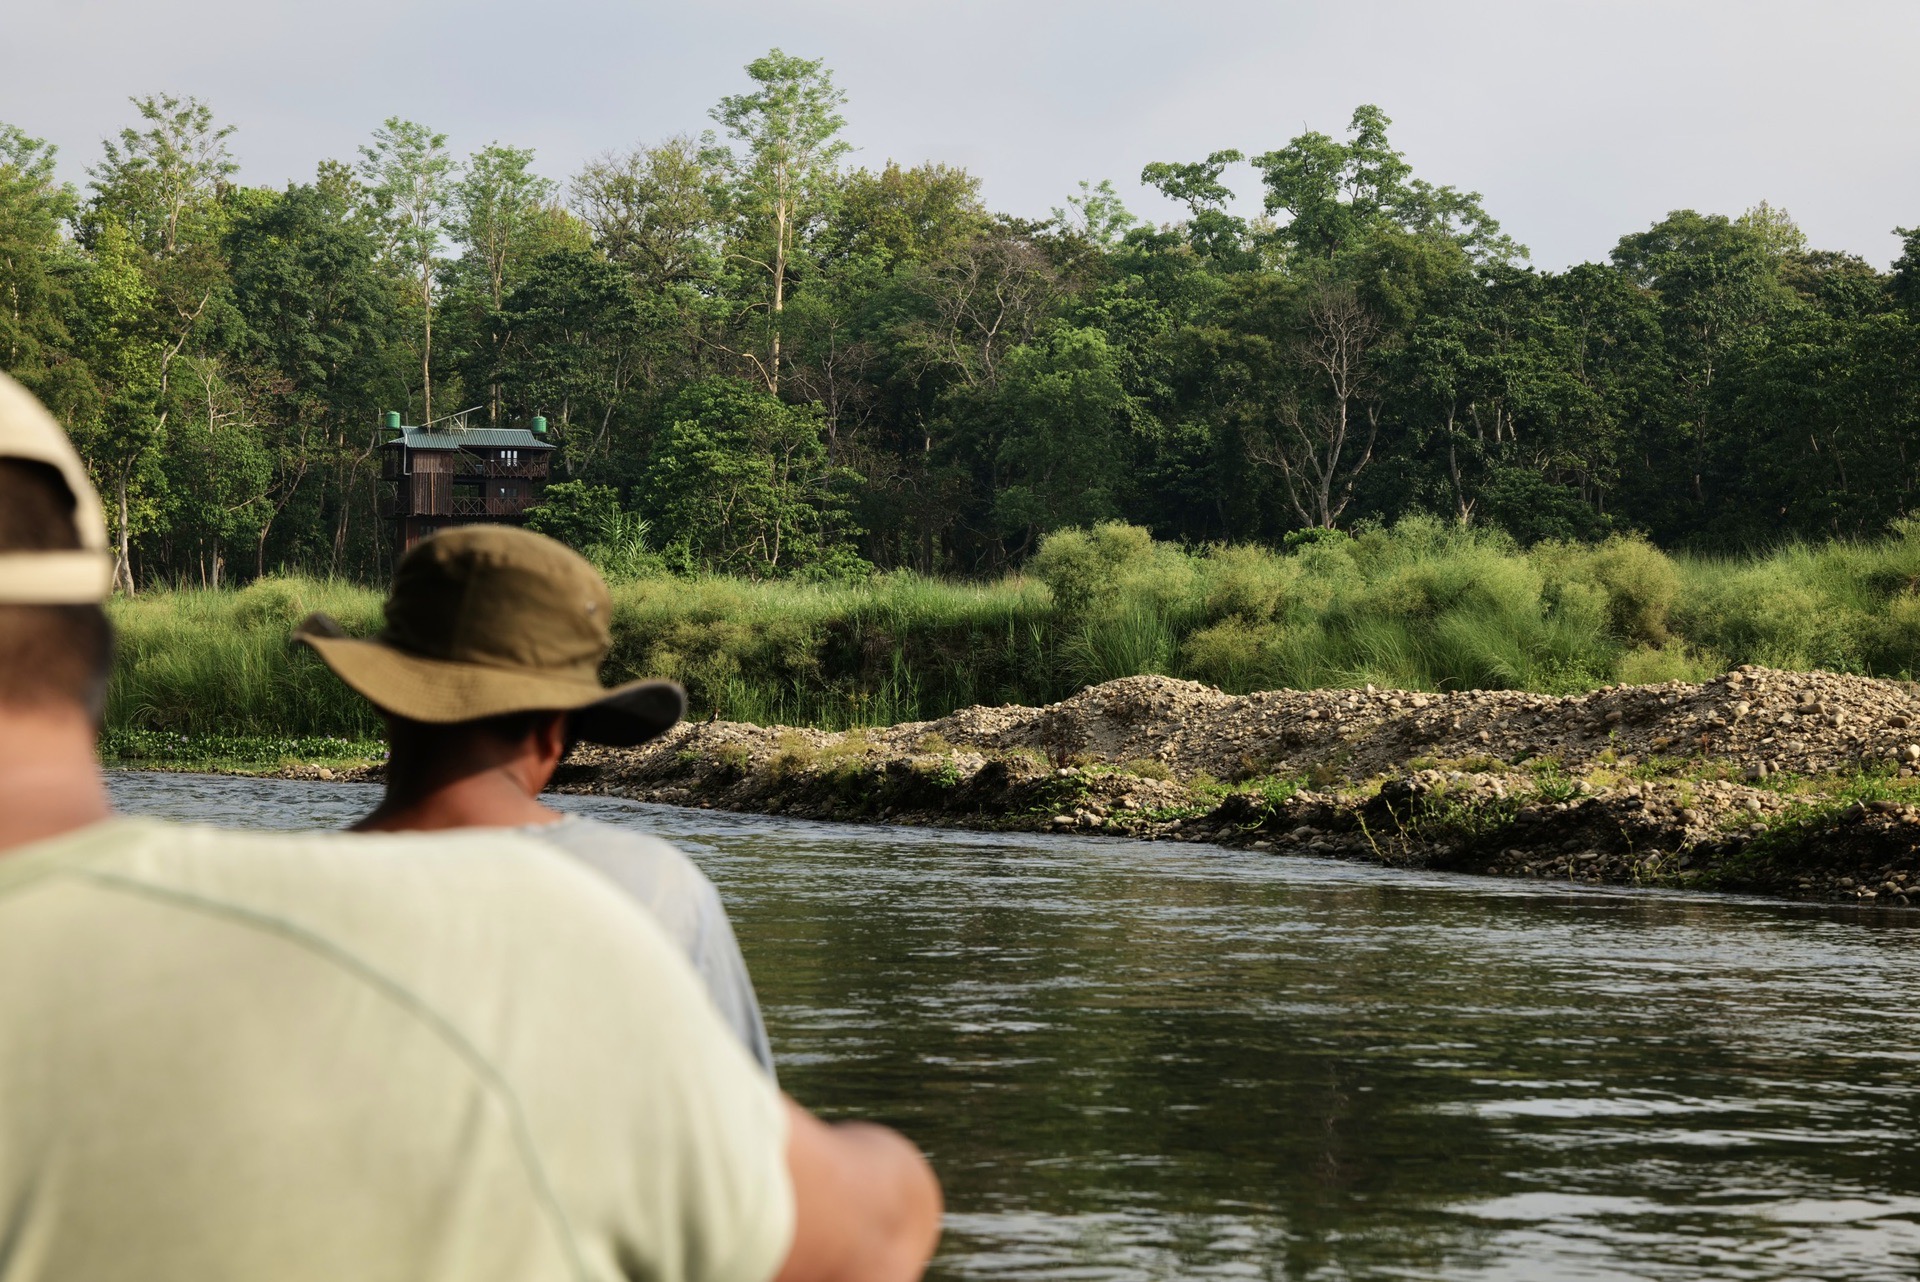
{"x": 458, "y": 475}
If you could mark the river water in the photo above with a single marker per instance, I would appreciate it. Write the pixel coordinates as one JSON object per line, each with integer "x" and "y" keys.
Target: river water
{"x": 1143, "y": 1061}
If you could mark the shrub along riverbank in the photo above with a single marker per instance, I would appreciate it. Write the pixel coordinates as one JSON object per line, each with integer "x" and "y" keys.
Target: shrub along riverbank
{"x": 1419, "y": 606}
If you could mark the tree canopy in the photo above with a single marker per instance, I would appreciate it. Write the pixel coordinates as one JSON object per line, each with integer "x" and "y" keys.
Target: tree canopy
{"x": 760, "y": 357}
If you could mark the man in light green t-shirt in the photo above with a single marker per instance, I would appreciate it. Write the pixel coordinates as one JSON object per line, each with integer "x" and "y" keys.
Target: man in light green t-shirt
{"x": 235, "y": 1056}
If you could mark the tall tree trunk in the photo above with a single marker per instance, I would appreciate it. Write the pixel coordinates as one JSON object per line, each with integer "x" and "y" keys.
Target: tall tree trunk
{"x": 123, "y": 557}
{"x": 1462, "y": 506}
{"x": 779, "y": 293}
{"x": 498, "y": 281}
{"x": 426, "y": 347}
{"x": 343, "y": 474}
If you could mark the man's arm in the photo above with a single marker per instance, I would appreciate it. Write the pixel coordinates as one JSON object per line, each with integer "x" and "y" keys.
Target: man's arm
{"x": 866, "y": 1204}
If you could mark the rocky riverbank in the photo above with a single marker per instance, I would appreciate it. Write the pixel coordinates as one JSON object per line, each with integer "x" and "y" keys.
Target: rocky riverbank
{"x": 1800, "y": 784}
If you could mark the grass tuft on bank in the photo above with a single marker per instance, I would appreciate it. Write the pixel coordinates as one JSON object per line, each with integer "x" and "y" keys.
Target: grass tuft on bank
{"x": 237, "y": 754}
{"x": 1420, "y": 606}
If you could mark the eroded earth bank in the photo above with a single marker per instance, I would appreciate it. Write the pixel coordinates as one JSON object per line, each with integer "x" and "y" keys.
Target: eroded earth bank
{"x": 1799, "y": 784}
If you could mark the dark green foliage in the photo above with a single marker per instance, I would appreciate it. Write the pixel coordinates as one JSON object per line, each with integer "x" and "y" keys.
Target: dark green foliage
{"x": 1308, "y": 536}
{"x": 575, "y": 341}
{"x": 575, "y": 513}
{"x": 35, "y": 294}
{"x": 1062, "y": 414}
{"x": 739, "y": 483}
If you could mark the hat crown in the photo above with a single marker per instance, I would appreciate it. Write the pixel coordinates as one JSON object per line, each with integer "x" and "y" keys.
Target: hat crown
{"x": 27, "y": 577}
{"x": 501, "y": 597}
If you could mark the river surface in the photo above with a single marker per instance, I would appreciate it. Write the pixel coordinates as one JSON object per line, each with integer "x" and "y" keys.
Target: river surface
{"x": 1143, "y": 1061}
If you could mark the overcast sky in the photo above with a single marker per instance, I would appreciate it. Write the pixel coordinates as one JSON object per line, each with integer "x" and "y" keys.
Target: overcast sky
{"x": 1577, "y": 121}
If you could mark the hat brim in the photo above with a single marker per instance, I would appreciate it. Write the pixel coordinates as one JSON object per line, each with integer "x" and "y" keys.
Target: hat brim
{"x": 443, "y": 692}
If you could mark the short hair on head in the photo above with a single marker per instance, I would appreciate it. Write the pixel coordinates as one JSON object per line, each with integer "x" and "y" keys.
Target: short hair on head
{"x": 433, "y": 737}
{"x": 48, "y": 653}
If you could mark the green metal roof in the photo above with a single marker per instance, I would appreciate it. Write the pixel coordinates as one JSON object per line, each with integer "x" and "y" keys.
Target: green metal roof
{"x": 486, "y": 438}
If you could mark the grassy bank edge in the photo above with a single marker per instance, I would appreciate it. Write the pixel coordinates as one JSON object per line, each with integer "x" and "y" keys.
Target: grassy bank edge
{"x": 1808, "y": 843}
{"x": 133, "y": 749}
{"x": 1850, "y": 835}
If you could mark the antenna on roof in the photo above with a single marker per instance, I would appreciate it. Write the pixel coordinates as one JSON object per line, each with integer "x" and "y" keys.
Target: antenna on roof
{"x": 457, "y": 419}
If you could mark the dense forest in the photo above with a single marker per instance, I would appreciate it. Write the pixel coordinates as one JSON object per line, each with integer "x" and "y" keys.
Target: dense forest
{"x": 760, "y": 358}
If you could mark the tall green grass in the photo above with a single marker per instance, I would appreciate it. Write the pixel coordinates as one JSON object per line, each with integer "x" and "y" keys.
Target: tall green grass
{"x": 210, "y": 662}
{"x": 1422, "y": 605}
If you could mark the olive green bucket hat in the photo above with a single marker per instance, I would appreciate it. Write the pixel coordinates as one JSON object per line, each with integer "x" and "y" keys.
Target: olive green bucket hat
{"x": 486, "y": 620}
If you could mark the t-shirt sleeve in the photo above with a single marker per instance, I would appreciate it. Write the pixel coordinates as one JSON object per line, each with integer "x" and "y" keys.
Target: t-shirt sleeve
{"x": 717, "y": 958}
{"x": 684, "y": 903}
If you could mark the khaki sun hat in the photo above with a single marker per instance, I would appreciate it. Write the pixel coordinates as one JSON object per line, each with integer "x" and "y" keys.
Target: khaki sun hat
{"x": 485, "y": 620}
{"x": 76, "y": 576}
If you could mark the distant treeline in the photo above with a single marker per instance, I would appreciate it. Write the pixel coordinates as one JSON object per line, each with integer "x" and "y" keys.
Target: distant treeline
{"x": 761, "y": 359}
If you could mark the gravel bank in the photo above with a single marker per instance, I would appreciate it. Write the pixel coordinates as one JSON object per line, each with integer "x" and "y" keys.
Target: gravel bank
{"x": 1777, "y": 782}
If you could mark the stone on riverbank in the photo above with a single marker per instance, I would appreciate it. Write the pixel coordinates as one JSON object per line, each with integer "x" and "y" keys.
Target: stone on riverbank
{"x": 1787, "y": 783}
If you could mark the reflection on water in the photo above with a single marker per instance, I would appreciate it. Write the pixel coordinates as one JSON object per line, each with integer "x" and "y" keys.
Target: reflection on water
{"x": 1146, "y": 1061}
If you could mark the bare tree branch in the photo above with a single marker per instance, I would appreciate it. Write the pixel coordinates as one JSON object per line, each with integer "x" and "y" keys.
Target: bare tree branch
{"x": 1319, "y": 454}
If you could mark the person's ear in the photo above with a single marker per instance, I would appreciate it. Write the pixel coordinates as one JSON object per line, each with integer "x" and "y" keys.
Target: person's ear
{"x": 541, "y": 751}
{"x": 550, "y": 739}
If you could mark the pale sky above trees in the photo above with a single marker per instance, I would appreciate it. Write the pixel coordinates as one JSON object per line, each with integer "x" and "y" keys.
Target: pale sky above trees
{"x": 1578, "y": 122}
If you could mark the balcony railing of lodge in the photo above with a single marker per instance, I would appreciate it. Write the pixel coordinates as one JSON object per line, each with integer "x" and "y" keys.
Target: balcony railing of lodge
{"x": 470, "y": 465}
{"x": 492, "y": 505}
